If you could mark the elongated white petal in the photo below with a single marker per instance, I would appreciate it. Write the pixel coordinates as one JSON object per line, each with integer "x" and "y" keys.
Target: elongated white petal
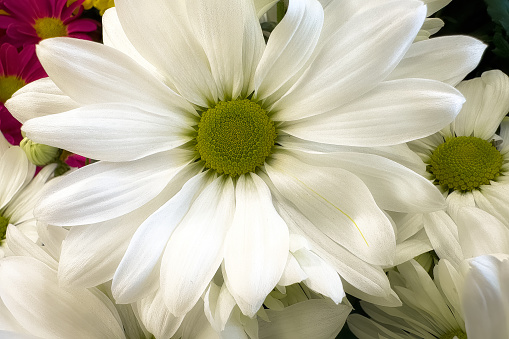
{"x": 31, "y": 292}
{"x": 37, "y": 99}
{"x": 92, "y": 73}
{"x": 448, "y": 59}
{"x": 345, "y": 69}
{"x": 292, "y": 273}
{"x": 396, "y": 111}
{"x": 339, "y": 204}
{"x": 149, "y": 241}
{"x": 195, "y": 249}
{"x": 104, "y": 190}
{"x": 443, "y": 234}
{"x": 14, "y": 167}
{"x": 388, "y": 181}
{"x": 156, "y": 317}
{"x": 481, "y": 233}
{"x": 220, "y": 26}
{"x": 289, "y": 47}
{"x": 161, "y": 33}
{"x": 110, "y": 132}
{"x": 114, "y": 36}
{"x": 256, "y": 246}
{"x": 20, "y": 245}
{"x": 371, "y": 280}
{"x": 485, "y": 300}
{"x": 315, "y": 318}
{"x": 493, "y": 199}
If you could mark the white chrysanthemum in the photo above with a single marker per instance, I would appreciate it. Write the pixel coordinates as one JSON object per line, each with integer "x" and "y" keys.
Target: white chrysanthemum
{"x": 471, "y": 301}
{"x": 19, "y": 191}
{"x": 431, "y": 25}
{"x": 195, "y": 140}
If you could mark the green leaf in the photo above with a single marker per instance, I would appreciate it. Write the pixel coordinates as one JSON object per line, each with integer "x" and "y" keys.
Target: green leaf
{"x": 499, "y": 12}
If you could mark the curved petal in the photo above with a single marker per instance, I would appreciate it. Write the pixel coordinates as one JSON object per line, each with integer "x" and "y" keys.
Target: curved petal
{"x": 315, "y": 318}
{"x": 37, "y": 99}
{"x": 149, "y": 241}
{"x": 448, "y": 59}
{"x": 14, "y": 167}
{"x": 93, "y": 73}
{"x": 263, "y": 6}
{"x": 494, "y": 200}
{"x": 443, "y": 234}
{"x": 160, "y": 31}
{"x": 394, "y": 187}
{"x": 256, "y": 246}
{"x": 109, "y": 132}
{"x": 339, "y": 204}
{"x": 105, "y": 190}
{"x": 31, "y": 292}
{"x": 289, "y": 47}
{"x": 231, "y": 36}
{"x": 345, "y": 69}
{"x": 195, "y": 249}
{"x": 396, "y": 111}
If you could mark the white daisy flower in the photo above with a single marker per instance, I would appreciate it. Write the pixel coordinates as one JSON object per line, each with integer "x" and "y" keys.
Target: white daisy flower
{"x": 194, "y": 166}
{"x": 459, "y": 303}
{"x": 19, "y": 191}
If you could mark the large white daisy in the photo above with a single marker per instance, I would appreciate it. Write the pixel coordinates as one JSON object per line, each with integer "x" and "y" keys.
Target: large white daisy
{"x": 193, "y": 138}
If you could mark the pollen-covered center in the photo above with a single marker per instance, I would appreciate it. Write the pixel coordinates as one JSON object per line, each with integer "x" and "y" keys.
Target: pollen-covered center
{"x": 9, "y": 85}
{"x": 465, "y": 163}
{"x": 456, "y": 333}
{"x": 50, "y": 28}
{"x": 235, "y": 137}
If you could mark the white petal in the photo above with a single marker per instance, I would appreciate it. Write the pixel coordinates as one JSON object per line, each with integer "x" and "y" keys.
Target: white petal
{"x": 485, "y": 299}
{"x": 156, "y": 317}
{"x": 412, "y": 247}
{"x": 30, "y": 291}
{"x": 114, "y": 36}
{"x": 443, "y": 234}
{"x": 92, "y": 73}
{"x": 481, "y": 233}
{"x": 263, "y": 6}
{"x": 448, "y": 59}
{"x": 457, "y": 200}
{"x": 195, "y": 249}
{"x": 322, "y": 278}
{"x": 220, "y": 26}
{"x": 339, "y": 204}
{"x": 394, "y": 186}
{"x": 104, "y": 190}
{"x": 292, "y": 273}
{"x": 315, "y": 318}
{"x": 394, "y": 112}
{"x": 256, "y": 246}
{"x": 149, "y": 241}
{"x": 371, "y": 280}
{"x": 345, "y": 69}
{"x": 91, "y": 253}
{"x": 16, "y": 335}
{"x": 110, "y": 132}
{"x": 14, "y": 167}
{"x": 162, "y": 34}
{"x": 39, "y": 98}
{"x": 289, "y": 47}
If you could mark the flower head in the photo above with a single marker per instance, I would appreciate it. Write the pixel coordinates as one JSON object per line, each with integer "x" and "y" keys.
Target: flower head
{"x": 30, "y": 21}
{"x": 212, "y": 176}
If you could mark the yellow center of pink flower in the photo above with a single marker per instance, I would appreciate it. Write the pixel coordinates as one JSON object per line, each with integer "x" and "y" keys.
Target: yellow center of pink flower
{"x": 9, "y": 85}
{"x": 50, "y": 28}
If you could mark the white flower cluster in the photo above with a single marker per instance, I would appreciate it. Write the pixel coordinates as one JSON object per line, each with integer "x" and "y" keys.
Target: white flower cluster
{"x": 243, "y": 188}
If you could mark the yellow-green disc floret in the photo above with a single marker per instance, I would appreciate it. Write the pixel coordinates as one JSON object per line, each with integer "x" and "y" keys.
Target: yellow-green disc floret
{"x": 235, "y": 137}
{"x": 457, "y": 333}
{"x": 4, "y": 222}
{"x": 465, "y": 163}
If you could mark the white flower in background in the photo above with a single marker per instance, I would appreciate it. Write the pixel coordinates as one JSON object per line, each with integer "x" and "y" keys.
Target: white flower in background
{"x": 19, "y": 191}
{"x": 469, "y": 302}
{"x": 194, "y": 141}
{"x": 33, "y": 304}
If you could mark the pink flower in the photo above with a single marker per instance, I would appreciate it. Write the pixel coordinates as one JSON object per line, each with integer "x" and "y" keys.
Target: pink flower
{"x": 29, "y": 21}
{"x": 16, "y": 70}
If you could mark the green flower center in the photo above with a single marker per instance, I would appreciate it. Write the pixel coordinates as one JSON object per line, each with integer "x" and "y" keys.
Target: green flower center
{"x": 50, "y": 28}
{"x": 9, "y": 85}
{"x": 458, "y": 333}
{"x": 235, "y": 137}
{"x": 4, "y": 222}
{"x": 465, "y": 163}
